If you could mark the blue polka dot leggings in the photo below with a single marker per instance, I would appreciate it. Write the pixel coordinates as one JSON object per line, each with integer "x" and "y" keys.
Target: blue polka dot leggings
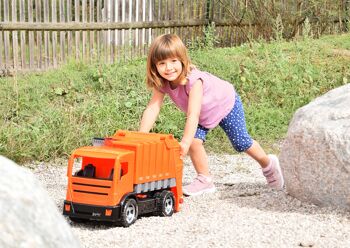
{"x": 234, "y": 126}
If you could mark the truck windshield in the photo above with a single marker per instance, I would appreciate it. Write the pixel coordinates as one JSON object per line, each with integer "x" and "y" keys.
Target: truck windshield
{"x": 98, "y": 168}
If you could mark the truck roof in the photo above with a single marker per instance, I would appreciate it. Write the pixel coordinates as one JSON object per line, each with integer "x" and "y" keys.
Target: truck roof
{"x": 100, "y": 152}
{"x": 125, "y": 142}
{"x": 130, "y": 137}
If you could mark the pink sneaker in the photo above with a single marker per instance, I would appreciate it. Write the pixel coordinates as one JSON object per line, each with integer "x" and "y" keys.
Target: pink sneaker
{"x": 273, "y": 173}
{"x": 200, "y": 185}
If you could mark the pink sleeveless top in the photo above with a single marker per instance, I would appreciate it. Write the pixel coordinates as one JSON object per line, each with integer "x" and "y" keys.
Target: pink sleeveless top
{"x": 217, "y": 101}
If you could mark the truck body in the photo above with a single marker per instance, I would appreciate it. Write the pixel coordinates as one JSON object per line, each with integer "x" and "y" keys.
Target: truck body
{"x": 124, "y": 176}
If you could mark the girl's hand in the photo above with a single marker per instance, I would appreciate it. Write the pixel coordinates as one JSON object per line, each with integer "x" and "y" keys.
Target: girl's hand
{"x": 184, "y": 149}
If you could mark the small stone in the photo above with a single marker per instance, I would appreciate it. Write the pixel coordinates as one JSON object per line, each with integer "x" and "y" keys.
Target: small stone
{"x": 306, "y": 244}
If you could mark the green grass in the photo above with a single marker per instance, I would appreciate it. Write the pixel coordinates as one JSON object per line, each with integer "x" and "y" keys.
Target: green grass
{"x": 45, "y": 116}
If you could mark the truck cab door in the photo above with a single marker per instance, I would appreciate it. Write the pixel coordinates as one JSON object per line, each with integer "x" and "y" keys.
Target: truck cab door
{"x": 123, "y": 177}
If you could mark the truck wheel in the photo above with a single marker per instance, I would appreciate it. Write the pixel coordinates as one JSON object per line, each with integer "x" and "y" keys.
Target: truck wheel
{"x": 129, "y": 212}
{"x": 165, "y": 203}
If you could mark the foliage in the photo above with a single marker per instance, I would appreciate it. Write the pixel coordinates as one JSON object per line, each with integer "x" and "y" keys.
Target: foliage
{"x": 307, "y": 31}
{"x": 324, "y": 16}
{"x": 47, "y": 115}
{"x": 278, "y": 30}
{"x": 208, "y": 41}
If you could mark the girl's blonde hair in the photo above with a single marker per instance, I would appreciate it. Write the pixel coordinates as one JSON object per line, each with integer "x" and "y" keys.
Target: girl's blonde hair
{"x": 164, "y": 47}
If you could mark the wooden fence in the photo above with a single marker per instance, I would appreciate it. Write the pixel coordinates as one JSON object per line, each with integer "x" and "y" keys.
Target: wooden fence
{"x": 42, "y": 34}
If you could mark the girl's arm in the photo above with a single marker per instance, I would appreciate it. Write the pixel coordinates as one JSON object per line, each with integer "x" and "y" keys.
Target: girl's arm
{"x": 193, "y": 111}
{"x": 151, "y": 112}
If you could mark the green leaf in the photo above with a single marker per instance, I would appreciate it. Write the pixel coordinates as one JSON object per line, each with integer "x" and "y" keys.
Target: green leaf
{"x": 60, "y": 91}
{"x": 128, "y": 104}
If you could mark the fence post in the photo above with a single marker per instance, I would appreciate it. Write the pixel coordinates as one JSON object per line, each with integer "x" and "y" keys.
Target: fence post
{"x": 347, "y": 15}
{"x": 209, "y": 15}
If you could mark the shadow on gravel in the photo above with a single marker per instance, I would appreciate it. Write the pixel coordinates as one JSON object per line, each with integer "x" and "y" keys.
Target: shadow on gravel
{"x": 101, "y": 225}
{"x": 91, "y": 225}
{"x": 260, "y": 197}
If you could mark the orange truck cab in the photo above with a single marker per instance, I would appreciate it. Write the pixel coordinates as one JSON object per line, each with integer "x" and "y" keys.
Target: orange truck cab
{"x": 124, "y": 176}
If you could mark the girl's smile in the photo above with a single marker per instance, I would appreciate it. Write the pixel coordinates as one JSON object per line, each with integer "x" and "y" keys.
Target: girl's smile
{"x": 169, "y": 69}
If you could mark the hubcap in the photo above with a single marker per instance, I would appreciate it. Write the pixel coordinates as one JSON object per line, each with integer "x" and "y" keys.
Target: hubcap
{"x": 130, "y": 213}
{"x": 168, "y": 205}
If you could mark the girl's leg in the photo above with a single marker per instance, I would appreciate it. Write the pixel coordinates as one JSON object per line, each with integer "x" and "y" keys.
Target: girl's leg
{"x": 257, "y": 153}
{"x": 199, "y": 157}
{"x": 269, "y": 164}
{"x": 203, "y": 183}
{"x": 235, "y": 128}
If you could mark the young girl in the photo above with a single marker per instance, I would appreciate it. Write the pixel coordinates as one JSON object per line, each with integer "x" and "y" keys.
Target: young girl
{"x": 207, "y": 101}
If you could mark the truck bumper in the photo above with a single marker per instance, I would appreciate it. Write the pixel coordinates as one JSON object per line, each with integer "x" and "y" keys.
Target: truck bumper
{"x": 91, "y": 212}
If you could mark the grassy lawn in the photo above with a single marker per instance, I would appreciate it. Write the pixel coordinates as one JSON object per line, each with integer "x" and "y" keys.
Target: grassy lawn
{"x": 45, "y": 116}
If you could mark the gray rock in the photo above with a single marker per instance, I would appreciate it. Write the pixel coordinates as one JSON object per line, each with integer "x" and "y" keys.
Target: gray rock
{"x": 29, "y": 218}
{"x": 316, "y": 153}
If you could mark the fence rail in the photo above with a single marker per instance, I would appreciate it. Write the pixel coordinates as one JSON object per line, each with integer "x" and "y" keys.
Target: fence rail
{"x": 41, "y": 34}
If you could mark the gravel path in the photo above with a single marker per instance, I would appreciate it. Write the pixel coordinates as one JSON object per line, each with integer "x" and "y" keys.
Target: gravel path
{"x": 242, "y": 213}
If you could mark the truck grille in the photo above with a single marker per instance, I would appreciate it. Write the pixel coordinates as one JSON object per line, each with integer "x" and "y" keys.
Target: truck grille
{"x": 89, "y": 190}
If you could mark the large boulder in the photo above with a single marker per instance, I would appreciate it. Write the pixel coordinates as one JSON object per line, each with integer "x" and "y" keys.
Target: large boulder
{"x": 28, "y": 217}
{"x": 315, "y": 156}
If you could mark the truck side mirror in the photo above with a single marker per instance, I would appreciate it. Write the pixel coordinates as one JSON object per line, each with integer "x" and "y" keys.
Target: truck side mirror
{"x": 112, "y": 174}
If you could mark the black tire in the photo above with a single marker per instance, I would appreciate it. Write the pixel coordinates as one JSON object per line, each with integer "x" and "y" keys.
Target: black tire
{"x": 129, "y": 213}
{"x": 165, "y": 203}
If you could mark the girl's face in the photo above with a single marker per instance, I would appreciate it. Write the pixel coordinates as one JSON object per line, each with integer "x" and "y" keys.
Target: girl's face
{"x": 170, "y": 69}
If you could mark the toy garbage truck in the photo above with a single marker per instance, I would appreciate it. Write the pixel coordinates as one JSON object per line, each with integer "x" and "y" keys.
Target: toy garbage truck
{"x": 124, "y": 176}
